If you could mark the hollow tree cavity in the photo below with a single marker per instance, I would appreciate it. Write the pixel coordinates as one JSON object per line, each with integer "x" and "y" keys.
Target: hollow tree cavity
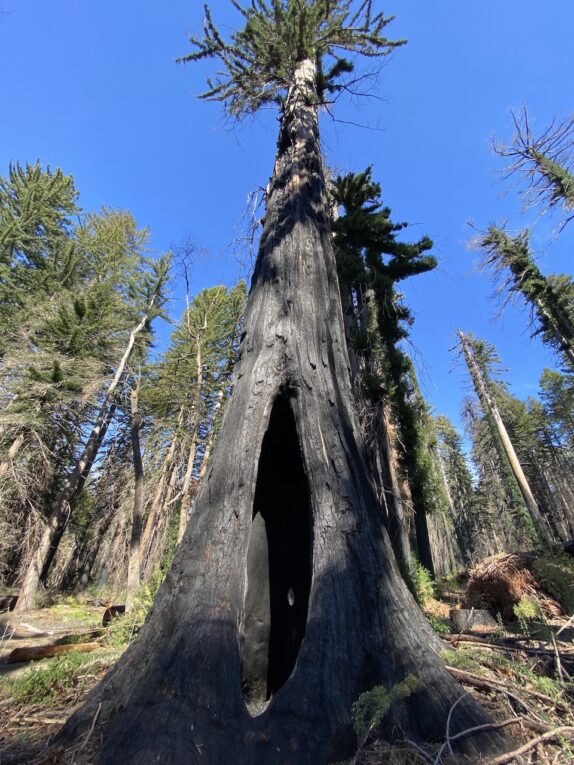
{"x": 278, "y": 565}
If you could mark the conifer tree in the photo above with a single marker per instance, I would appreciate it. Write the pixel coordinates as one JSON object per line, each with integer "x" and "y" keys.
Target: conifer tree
{"x": 38, "y": 568}
{"x": 458, "y": 490}
{"x": 371, "y": 263}
{"x": 284, "y": 574}
{"x": 551, "y": 298}
{"x": 545, "y": 161}
{"x": 185, "y": 393}
{"x": 478, "y": 356}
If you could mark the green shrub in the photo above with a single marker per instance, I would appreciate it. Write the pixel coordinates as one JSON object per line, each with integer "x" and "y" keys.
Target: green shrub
{"x": 555, "y": 572}
{"x": 420, "y": 582}
{"x": 439, "y": 625}
{"x": 371, "y": 706}
{"x": 531, "y": 619}
{"x": 124, "y": 628}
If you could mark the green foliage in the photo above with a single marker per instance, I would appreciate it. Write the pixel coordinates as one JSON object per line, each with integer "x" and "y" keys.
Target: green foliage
{"x": 500, "y": 628}
{"x": 371, "y": 261}
{"x": 372, "y": 706}
{"x": 420, "y": 582}
{"x": 478, "y": 662}
{"x": 551, "y": 299}
{"x": 527, "y": 611}
{"x": 441, "y": 626}
{"x": 555, "y": 572}
{"x": 51, "y": 681}
{"x": 260, "y": 60}
{"x": 501, "y": 486}
{"x": 72, "y": 288}
{"x": 463, "y": 658}
{"x": 545, "y": 160}
{"x": 124, "y": 628}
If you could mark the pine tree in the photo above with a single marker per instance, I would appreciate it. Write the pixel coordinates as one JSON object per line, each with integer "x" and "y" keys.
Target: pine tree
{"x": 545, "y": 161}
{"x": 479, "y": 357}
{"x": 371, "y": 262}
{"x": 186, "y": 392}
{"x": 58, "y": 515}
{"x": 284, "y": 574}
{"x": 551, "y": 298}
{"x": 462, "y": 511}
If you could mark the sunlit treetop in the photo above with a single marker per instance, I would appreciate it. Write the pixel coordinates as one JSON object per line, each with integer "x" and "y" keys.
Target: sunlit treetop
{"x": 260, "y": 60}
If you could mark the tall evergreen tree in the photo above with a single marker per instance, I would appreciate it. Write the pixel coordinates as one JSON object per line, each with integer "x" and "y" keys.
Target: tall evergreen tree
{"x": 284, "y": 572}
{"x": 479, "y": 357}
{"x": 463, "y": 520}
{"x": 371, "y": 263}
{"x": 186, "y": 391}
{"x": 551, "y": 298}
{"x": 545, "y": 161}
{"x": 151, "y": 295}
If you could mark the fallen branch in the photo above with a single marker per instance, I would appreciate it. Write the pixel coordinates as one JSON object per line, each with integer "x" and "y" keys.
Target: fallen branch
{"x": 494, "y": 685}
{"x": 43, "y": 720}
{"x": 548, "y": 736}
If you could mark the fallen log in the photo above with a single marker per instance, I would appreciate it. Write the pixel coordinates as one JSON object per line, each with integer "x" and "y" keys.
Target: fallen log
{"x": 35, "y": 653}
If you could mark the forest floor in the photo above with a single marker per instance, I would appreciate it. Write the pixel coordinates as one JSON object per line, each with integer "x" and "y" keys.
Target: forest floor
{"x": 37, "y": 696}
{"x": 521, "y": 671}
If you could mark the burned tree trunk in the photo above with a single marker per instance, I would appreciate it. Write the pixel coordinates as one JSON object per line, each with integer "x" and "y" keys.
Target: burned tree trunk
{"x": 134, "y": 560}
{"x": 284, "y": 601}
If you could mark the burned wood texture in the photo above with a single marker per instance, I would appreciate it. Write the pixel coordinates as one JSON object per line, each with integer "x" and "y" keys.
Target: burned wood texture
{"x": 177, "y": 694}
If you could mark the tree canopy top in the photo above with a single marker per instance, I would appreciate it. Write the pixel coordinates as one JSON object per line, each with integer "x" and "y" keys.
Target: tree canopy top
{"x": 260, "y": 60}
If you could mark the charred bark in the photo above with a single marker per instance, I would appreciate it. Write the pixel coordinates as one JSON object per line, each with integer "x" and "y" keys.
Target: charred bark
{"x": 176, "y": 695}
{"x": 134, "y": 561}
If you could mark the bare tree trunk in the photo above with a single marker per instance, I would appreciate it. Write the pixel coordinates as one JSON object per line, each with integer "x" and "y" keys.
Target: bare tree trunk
{"x": 284, "y": 601}
{"x": 210, "y": 438}
{"x": 397, "y": 526}
{"x": 184, "y": 506}
{"x": 134, "y": 562}
{"x": 155, "y": 546}
{"x": 38, "y": 567}
{"x": 491, "y": 408}
{"x": 156, "y": 504}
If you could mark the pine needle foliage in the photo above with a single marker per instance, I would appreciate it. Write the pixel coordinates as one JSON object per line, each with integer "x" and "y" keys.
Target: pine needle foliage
{"x": 545, "y": 161}
{"x": 370, "y": 259}
{"x": 551, "y": 298}
{"x": 260, "y": 60}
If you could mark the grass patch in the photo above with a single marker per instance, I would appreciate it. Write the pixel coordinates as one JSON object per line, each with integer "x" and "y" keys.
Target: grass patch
{"x": 71, "y": 611}
{"x": 463, "y": 658}
{"x": 44, "y": 684}
{"x": 124, "y": 628}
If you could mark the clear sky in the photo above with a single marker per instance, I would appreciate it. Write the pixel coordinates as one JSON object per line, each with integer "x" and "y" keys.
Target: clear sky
{"x": 92, "y": 87}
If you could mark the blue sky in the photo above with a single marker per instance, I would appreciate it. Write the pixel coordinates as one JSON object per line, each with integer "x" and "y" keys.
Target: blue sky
{"x": 93, "y": 88}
